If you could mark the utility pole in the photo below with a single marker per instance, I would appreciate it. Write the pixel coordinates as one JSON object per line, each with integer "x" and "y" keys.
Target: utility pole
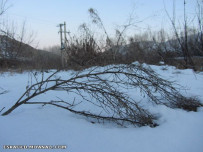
{"x": 65, "y": 38}
{"x": 63, "y": 42}
{"x": 61, "y": 36}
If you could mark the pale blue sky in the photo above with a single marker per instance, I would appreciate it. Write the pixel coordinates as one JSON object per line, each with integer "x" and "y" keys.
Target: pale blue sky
{"x": 42, "y": 16}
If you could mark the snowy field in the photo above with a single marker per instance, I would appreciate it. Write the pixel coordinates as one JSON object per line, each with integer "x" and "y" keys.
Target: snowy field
{"x": 178, "y": 130}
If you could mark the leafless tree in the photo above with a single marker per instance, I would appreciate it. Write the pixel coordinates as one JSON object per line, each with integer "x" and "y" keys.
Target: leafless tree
{"x": 200, "y": 27}
{"x": 183, "y": 37}
{"x": 13, "y": 41}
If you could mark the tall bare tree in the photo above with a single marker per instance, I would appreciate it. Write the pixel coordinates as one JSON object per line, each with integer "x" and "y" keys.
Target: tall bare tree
{"x": 200, "y": 23}
{"x": 182, "y": 39}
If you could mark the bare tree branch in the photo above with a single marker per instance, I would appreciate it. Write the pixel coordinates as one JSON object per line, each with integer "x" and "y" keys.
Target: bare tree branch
{"x": 3, "y": 6}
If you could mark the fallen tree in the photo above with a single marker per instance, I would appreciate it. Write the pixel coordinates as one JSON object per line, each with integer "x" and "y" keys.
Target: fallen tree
{"x": 103, "y": 89}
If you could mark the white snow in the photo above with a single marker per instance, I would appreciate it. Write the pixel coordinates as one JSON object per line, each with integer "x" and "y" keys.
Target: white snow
{"x": 178, "y": 130}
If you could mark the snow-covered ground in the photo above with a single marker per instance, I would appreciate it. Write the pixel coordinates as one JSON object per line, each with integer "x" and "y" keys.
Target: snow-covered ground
{"x": 178, "y": 130}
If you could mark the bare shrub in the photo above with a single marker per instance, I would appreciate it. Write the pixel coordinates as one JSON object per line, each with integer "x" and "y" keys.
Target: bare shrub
{"x": 82, "y": 51}
{"x": 189, "y": 104}
{"x": 86, "y": 50}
